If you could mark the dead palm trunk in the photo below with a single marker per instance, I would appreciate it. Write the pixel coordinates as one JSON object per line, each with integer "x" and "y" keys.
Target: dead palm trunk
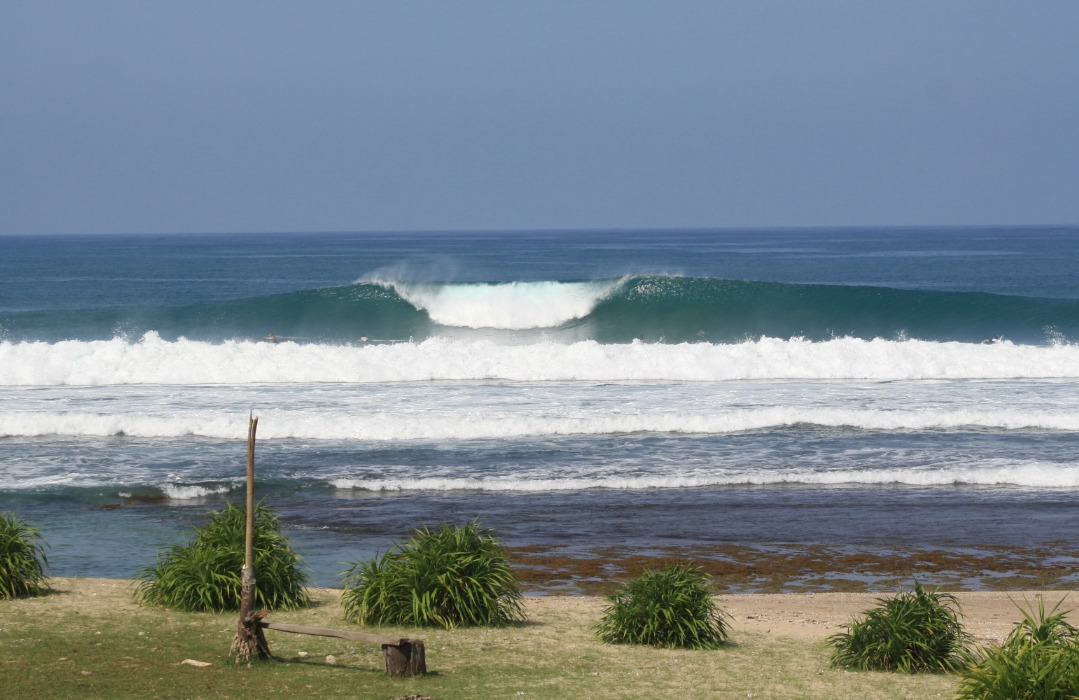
{"x": 249, "y": 640}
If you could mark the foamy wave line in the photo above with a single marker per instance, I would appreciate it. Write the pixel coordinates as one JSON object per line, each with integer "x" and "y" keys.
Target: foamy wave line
{"x": 1023, "y": 475}
{"x": 1030, "y": 476}
{"x": 423, "y": 426}
{"x": 153, "y": 360}
{"x": 508, "y": 305}
{"x": 169, "y": 491}
{"x": 190, "y": 492}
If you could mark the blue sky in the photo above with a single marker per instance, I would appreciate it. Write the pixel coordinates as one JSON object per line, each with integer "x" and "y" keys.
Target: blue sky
{"x": 295, "y": 116}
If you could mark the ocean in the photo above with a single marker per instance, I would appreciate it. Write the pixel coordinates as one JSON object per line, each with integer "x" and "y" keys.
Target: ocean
{"x": 794, "y": 409}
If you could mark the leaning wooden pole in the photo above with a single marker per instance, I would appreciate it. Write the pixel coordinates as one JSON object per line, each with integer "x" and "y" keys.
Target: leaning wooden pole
{"x": 249, "y": 640}
{"x": 248, "y": 598}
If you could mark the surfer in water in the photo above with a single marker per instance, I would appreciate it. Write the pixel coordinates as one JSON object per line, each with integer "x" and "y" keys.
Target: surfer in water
{"x": 271, "y": 338}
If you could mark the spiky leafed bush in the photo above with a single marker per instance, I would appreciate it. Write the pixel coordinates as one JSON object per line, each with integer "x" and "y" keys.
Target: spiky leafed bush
{"x": 913, "y": 632}
{"x": 22, "y": 558}
{"x": 205, "y": 574}
{"x": 1038, "y": 661}
{"x": 449, "y": 577}
{"x": 669, "y": 608}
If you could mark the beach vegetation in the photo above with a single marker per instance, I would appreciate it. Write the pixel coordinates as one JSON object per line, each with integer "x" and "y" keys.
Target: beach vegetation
{"x": 450, "y": 576}
{"x": 22, "y": 558}
{"x": 1038, "y": 660}
{"x": 205, "y": 573}
{"x": 916, "y": 631}
{"x": 669, "y": 607}
{"x": 91, "y": 640}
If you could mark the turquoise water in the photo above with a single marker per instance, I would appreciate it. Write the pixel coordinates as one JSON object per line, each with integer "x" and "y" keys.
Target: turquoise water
{"x": 870, "y": 388}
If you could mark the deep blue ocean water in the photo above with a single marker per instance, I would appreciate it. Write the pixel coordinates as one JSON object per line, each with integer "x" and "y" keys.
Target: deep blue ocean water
{"x": 855, "y": 387}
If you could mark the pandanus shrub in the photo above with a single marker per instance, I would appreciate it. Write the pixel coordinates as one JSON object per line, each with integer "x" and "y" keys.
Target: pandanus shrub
{"x": 912, "y": 632}
{"x": 450, "y": 576}
{"x": 1038, "y": 661}
{"x": 205, "y": 574}
{"x": 22, "y": 558}
{"x": 669, "y": 607}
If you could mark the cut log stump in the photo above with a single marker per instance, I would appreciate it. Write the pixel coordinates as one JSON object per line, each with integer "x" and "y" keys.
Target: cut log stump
{"x": 405, "y": 659}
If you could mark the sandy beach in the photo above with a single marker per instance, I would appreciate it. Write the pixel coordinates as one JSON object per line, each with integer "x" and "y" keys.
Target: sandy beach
{"x": 988, "y": 616}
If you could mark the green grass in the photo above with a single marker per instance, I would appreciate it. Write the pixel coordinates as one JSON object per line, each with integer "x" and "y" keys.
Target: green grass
{"x": 1038, "y": 661}
{"x": 205, "y": 573}
{"x": 669, "y": 608}
{"x": 913, "y": 632}
{"x": 448, "y": 577}
{"x": 22, "y": 558}
{"x": 89, "y": 640}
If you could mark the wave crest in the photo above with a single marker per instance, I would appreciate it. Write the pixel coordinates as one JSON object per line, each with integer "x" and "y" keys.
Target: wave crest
{"x": 509, "y": 306}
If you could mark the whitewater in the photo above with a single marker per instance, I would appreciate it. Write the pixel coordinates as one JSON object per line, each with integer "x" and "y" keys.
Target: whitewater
{"x": 509, "y": 305}
{"x": 152, "y": 360}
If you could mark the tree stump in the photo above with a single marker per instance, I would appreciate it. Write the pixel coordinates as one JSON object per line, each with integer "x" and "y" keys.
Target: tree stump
{"x": 405, "y": 659}
{"x": 249, "y": 640}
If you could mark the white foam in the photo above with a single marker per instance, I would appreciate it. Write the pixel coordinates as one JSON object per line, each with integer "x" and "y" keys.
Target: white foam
{"x": 431, "y": 423}
{"x": 510, "y": 305}
{"x": 1027, "y": 475}
{"x": 184, "y": 492}
{"x": 152, "y": 360}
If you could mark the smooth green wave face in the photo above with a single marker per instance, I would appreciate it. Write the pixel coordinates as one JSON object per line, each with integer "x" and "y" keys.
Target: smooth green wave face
{"x": 652, "y": 308}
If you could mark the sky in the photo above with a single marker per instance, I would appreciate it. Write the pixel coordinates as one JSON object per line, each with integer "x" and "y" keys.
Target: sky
{"x": 192, "y": 117}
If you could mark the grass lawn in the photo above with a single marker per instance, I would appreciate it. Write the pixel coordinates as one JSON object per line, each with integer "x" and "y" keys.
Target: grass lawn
{"x": 87, "y": 639}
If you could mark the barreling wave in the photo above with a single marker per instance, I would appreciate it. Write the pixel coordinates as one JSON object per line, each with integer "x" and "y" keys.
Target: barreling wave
{"x": 652, "y": 308}
{"x": 511, "y": 305}
{"x": 153, "y": 360}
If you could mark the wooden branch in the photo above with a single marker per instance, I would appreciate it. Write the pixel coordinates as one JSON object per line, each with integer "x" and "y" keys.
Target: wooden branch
{"x": 320, "y": 632}
{"x": 403, "y": 657}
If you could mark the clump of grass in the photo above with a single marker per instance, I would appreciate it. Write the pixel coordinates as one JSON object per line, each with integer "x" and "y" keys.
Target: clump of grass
{"x": 913, "y": 632}
{"x": 22, "y": 558}
{"x": 205, "y": 574}
{"x": 1039, "y": 659}
{"x": 669, "y": 608}
{"x": 448, "y": 577}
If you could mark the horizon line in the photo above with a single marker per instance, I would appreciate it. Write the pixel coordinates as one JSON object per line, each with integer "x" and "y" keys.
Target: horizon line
{"x": 553, "y": 230}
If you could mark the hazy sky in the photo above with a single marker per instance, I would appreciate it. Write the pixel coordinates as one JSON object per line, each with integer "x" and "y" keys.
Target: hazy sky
{"x": 294, "y": 116}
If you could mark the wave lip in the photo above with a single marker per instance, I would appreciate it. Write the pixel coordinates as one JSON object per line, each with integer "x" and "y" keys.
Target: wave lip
{"x": 508, "y": 305}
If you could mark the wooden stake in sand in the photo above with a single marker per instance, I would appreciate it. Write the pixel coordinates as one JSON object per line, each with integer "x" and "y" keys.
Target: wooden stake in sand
{"x": 403, "y": 657}
{"x": 249, "y": 640}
